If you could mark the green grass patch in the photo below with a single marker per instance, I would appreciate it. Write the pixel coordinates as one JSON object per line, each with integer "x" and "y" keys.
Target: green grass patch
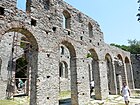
{"x": 15, "y": 101}
{"x": 8, "y": 102}
{"x": 65, "y": 94}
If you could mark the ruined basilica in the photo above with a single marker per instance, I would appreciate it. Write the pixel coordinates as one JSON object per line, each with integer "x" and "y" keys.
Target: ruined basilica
{"x": 53, "y": 47}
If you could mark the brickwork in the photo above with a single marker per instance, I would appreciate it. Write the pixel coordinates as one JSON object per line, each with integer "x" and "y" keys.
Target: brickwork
{"x": 135, "y": 58}
{"x": 48, "y": 26}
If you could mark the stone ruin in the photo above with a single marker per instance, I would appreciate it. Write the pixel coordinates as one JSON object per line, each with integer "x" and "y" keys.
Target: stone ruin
{"x": 53, "y": 47}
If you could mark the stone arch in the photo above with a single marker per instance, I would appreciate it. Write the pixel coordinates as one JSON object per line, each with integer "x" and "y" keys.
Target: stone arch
{"x": 120, "y": 72}
{"x": 66, "y": 19}
{"x": 62, "y": 51}
{"x": 63, "y": 69}
{"x": 26, "y": 5}
{"x": 73, "y": 72}
{"x": 33, "y": 68}
{"x": 110, "y": 73}
{"x": 94, "y": 70}
{"x": 128, "y": 72}
{"x": 90, "y": 30}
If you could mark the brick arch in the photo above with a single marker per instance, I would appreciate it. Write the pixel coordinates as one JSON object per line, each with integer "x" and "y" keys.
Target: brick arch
{"x": 27, "y": 33}
{"x": 120, "y": 72}
{"x": 94, "y": 70}
{"x": 73, "y": 71}
{"x": 127, "y": 60}
{"x": 110, "y": 74}
{"x": 65, "y": 72}
{"x": 34, "y": 53}
{"x": 94, "y": 54}
{"x": 66, "y": 19}
{"x": 108, "y": 57}
{"x": 119, "y": 56}
{"x": 129, "y": 73}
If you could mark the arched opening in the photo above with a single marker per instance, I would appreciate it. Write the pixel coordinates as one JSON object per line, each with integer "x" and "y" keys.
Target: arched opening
{"x": 129, "y": 73}
{"x": 63, "y": 69}
{"x": 110, "y": 74}
{"x": 73, "y": 100}
{"x": 20, "y": 63}
{"x": 21, "y": 76}
{"x": 120, "y": 72}
{"x": 90, "y": 30}
{"x": 93, "y": 71}
{"x": 64, "y": 82}
{"x": 24, "y": 5}
{"x": 62, "y": 50}
{"x": 21, "y": 4}
{"x": 66, "y": 20}
{"x": 121, "y": 65}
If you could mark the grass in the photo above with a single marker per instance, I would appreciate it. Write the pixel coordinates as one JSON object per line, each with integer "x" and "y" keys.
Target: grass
{"x": 15, "y": 101}
{"x": 8, "y": 102}
{"x": 64, "y": 94}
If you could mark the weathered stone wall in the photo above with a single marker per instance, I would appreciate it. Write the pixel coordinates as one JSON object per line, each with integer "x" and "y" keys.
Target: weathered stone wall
{"x": 43, "y": 27}
{"x": 135, "y": 58}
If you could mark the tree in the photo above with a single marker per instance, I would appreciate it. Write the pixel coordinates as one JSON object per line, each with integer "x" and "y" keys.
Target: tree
{"x": 133, "y": 47}
{"x": 139, "y": 11}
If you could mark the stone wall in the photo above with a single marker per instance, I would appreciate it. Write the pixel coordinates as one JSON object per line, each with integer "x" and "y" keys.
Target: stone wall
{"x": 46, "y": 29}
{"x": 135, "y": 58}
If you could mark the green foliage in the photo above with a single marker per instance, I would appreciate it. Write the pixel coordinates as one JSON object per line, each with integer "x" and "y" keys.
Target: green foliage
{"x": 89, "y": 55}
{"x": 138, "y": 15}
{"x": 133, "y": 47}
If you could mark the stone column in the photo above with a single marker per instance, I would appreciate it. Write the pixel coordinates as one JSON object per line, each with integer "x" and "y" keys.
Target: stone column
{"x": 119, "y": 81}
{"x": 129, "y": 73}
{"x": 132, "y": 77}
{"x": 101, "y": 84}
{"x": 113, "y": 80}
{"x": 48, "y": 79}
{"x": 83, "y": 81}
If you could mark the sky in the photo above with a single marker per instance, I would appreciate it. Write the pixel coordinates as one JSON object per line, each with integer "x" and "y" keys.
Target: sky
{"x": 117, "y": 18}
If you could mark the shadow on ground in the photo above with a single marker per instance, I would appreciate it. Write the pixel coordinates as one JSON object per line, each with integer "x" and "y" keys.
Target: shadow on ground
{"x": 65, "y": 101}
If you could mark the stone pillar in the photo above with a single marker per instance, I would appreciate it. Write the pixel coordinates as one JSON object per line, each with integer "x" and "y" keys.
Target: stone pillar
{"x": 83, "y": 83}
{"x": 113, "y": 80}
{"x": 48, "y": 79}
{"x": 132, "y": 86}
{"x": 119, "y": 81}
{"x": 129, "y": 76}
{"x": 101, "y": 84}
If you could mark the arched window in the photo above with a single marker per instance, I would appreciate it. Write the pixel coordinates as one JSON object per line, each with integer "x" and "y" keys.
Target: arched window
{"x": 63, "y": 69}
{"x": 62, "y": 50}
{"x": 66, "y": 19}
{"x": 24, "y": 5}
{"x": 90, "y": 29}
{"x": 60, "y": 69}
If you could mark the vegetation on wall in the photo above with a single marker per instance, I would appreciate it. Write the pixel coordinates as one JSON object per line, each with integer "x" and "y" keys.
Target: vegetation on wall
{"x": 133, "y": 47}
{"x": 139, "y": 11}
